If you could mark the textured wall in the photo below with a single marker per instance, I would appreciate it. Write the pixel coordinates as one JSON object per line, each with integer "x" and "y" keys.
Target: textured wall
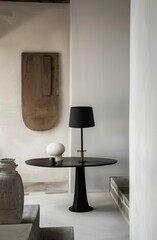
{"x": 39, "y": 28}
{"x": 143, "y": 120}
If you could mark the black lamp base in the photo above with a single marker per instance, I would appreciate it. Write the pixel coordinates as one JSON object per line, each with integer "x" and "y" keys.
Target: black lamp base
{"x": 82, "y": 161}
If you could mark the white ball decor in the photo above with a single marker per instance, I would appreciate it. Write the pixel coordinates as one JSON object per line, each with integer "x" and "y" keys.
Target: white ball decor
{"x": 55, "y": 150}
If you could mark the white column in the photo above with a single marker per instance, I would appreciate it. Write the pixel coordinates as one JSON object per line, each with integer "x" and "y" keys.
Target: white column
{"x": 143, "y": 120}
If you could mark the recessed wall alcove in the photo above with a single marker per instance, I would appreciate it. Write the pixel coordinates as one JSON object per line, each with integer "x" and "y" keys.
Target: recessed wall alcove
{"x": 98, "y": 59}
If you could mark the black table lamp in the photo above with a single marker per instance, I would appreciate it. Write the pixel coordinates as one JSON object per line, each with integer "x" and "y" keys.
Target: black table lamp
{"x": 81, "y": 117}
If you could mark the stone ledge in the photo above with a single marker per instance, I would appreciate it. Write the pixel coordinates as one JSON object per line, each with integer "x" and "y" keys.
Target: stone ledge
{"x": 31, "y": 214}
{"x": 29, "y": 228}
{"x": 57, "y": 233}
{"x": 119, "y": 189}
{"x": 15, "y": 232}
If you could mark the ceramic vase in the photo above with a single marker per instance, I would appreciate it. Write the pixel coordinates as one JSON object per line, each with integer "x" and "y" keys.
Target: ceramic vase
{"x": 11, "y": 193}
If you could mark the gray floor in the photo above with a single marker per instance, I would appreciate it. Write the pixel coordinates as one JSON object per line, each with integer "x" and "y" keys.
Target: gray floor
{"x": 105, "y": 222}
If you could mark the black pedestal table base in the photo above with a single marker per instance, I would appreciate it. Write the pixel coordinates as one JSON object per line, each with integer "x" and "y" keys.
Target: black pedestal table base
{"x": 80, "y": 203}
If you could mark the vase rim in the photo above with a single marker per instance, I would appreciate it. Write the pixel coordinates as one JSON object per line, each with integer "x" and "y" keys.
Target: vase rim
{"x": 7, "y": 163}
{"x": 7, "y": 159}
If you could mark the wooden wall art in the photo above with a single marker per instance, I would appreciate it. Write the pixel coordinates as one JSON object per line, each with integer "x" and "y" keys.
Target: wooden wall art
{"x": 40, "y": 90}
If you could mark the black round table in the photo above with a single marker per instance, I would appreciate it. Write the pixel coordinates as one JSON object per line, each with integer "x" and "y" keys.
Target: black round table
{"x": 80, "y": 203}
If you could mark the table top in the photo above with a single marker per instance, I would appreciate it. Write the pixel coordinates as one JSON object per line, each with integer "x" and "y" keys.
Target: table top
{"x": 71, "y": 162}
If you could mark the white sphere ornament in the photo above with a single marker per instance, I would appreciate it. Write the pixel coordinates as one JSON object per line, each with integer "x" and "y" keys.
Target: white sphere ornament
{"x": 55, "y": 150}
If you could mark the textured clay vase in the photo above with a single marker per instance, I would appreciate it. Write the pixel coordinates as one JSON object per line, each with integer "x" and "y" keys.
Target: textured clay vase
{"x": 11, "y": 193}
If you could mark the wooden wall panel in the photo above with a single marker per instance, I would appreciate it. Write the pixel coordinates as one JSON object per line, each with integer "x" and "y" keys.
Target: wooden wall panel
{"x": 40, "y": 90}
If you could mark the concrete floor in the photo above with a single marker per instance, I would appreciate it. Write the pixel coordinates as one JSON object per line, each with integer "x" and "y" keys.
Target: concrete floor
{"x": 105, "y": 222}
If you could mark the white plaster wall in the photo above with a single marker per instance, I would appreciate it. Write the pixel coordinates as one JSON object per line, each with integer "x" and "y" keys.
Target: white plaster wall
{"x": 39, "y": 28}
{"x": 143, "y": 120}
{"x": 100, "y": 78}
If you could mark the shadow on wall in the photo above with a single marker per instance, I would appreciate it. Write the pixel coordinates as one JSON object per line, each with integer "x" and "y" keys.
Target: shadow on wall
{"x": 12, "y": 15}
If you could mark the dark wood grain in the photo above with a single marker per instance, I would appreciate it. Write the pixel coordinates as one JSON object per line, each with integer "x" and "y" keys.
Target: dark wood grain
{"x": 71, "y": 162}
{"x": 47, "y": 75}
{"x": 39, "y": 1}
{"x": 40, "y": 80}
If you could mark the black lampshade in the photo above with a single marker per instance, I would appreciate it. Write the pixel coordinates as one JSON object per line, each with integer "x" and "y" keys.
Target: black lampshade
{"x": 81, "y": 117}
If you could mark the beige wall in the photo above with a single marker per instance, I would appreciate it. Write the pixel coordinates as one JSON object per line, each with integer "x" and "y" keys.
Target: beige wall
{"x": 38, "y": 28}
